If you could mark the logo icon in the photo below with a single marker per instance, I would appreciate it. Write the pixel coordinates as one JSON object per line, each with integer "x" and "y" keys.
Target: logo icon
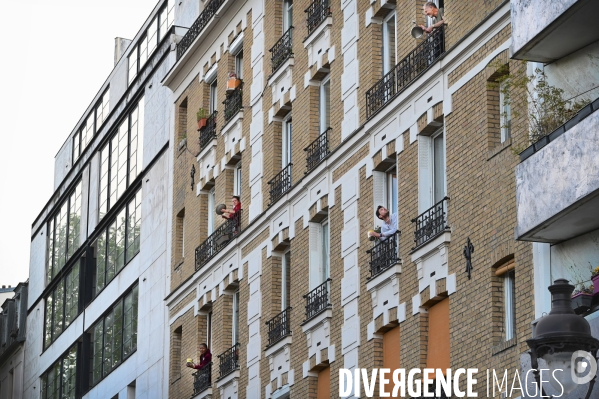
{"x": 584, "y": 367}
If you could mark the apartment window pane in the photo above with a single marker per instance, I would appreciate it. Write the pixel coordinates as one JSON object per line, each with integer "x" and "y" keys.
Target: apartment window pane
{"x": 438, "y": 168}
{"x": 326, "y": 273}
{"x": 143, "y": 51}
{"x": 505, "y": 113}
{"x": 285, "y": 280}
{"x": 152, "y": 34}
{"x": 48, "y": 323}
{"x": 239, "y": 65}
{"x": 287, "y": 136}
{"x": 287, "y": 14}
{"x": 102, "y": 110}
{"x": 69, "y": 368}
{"x": 325, "y": 105}
{"x": 61, "y": 377}
{"x": 72, "y": 296}
{"x": 509, "y": 304}
{"x": 235, "y": 317}
{"x": 389, "y": 42}
{"x": 58, "y": 310}
{"x": 98, "y": 345}
{"x": 121, "y": 159}
{"x": 392, "y": 190}
{"x": 213, "y": 96}
{"x": 237, "y": 180}
{"x": 211, "y": 206}
{"x": 119, "y": 243}
{"x": 74, "y": 221}
{"x": 171, "y": 12}
{"x": 132, "y": 64}
{"x": 209, "y": 330}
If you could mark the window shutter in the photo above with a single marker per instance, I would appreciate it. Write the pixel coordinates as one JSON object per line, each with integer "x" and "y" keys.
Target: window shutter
{"x": 425, "y": 183}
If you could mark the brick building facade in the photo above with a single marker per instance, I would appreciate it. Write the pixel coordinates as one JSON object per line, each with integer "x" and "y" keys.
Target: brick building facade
{"x": 340, "y": 110}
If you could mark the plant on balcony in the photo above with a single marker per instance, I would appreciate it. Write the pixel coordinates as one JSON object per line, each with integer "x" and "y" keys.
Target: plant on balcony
{"x": 582, "y": 299}
{"x": 547, "y": 108}
{"x": 202, "y": 118}
{"x": 232, "y": 83}
{"x": 595, "y": 278}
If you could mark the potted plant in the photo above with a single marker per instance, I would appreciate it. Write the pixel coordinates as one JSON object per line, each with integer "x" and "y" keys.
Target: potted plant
{"x": 232, "y": 83}
{"x": 595, "y": 278}
{"x": 582, "y": 299}
{"x": 202, "y": 118}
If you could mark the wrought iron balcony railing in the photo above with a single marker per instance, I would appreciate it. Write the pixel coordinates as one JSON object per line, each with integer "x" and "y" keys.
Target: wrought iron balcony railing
{"x": 405, "y": 72}
{"x": 317, "y": 150}
{"x": 198, "y": 26}
{"x": 317, "y": 12}
{"x": 280, "y": 184}
{"x": 233, "y": 103}
{"x": 208, "y": 133}
{"x": 317, "y": 300}
{"x": 430, "y": 223}
{"x": 279, "y": 326}
{"x": 218, "y": 240}
{"x": 282, "y": 50}
{"x": 384, "y": 254}
{"x": 202, "y": 379}
{"x": 229, "y": 361}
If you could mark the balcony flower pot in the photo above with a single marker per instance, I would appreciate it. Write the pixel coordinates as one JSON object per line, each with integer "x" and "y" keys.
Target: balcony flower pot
{"x": 595, "y": 279}
{"x": 232, "y": 83}
{"x": 581, "y": 303}
{"x": 202, "y": 118}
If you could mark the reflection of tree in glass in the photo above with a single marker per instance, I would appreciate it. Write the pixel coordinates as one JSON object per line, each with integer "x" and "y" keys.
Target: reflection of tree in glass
{"x": 97, "y": 351}
{"x": 69, "y": 374}
{"x": 48, "y": 329}
{"x": 72, "y": 296}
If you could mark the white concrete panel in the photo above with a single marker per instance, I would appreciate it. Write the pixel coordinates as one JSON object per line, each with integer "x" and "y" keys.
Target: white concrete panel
{"x": 350, "y": 309}
{"x": 319, "y": 189}
{"x": 349, "y": 284}
{"x": 349, "y": 189}
{"x": 350, "y": 333}
{"x": 350, "y": 236}
{"x": 349, "y": 78}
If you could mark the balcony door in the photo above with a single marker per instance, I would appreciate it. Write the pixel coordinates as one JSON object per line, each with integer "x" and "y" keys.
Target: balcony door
{"x": 389, "y": 46}
{"x": 287, "y": 15}
{"x": 286, "y": 141}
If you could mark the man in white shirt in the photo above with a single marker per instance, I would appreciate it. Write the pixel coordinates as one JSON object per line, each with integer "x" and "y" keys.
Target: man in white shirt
{"x": 389, "y": 227}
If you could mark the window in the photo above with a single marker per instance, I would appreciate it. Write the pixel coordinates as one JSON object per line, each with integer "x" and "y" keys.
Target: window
{"x": 509, "y": 306}
{"x": 114, "y": 336}
{"x": 235, "y": 334}
{"x": 63, "y": 233}
{"x": 60, "y": 380}
{"x": 211, "y": 206}
{"x": 325, "y": 104}
{"x": 285, "y": 280}
{"x": 391, "y": 189}
{"x": 62, "y": 306}
{"x": 287, "y": 15}
{"x": 149, "y": 42}
{"x": 209, "y": 330}
{"x": 438, "y": 168}
{"x": 118, "y": 243}
{"x": 505, "y": 113}
{"x": 389, "y": 42}
{"x": 325, "y": 250}
{"x": 213, "y": 97}
{"x": 121, "y": 159}
{"x": 286, "y": 141}
{"x": 237, "y": 180}
{"x": 239, "y": 65}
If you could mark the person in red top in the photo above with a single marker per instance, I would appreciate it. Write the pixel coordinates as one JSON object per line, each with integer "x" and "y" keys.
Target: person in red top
{"x": 205, "y": 358}
{"x": 232, "y": 213}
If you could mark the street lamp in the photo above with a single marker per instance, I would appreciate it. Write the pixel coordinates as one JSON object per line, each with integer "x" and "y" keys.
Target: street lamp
{"x": 558, "y": 336}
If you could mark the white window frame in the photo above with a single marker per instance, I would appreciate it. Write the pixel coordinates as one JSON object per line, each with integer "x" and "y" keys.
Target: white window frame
{"x": 213, "y": 101}
{"x": 183, "y": 236}
{"x": 435, "y": 136}
{"x": 505, "y": 114}
{"x": 509, "y": 305}
{"x": 211, "y": 207}
{"x": 286, "y": 141}
{"x": 325, "y": 107}
{"x": 239, "y": 64}
{"x": 237, "y": 179}
{"x": 390, "y": 191}
{"x": 387, "y": 45}
{"x": 287, "y": 15}
{"x": 285, "y": 274}
{"x": 235, "y": 329}
{"x": 209, "y": 329}
{"x": 325, "y": 250}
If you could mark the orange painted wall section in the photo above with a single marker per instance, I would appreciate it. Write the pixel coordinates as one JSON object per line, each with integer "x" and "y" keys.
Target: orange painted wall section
{"x": 438, "y": 336}
{"x": 324, "y": 384}
{"x": 391, "y": 358}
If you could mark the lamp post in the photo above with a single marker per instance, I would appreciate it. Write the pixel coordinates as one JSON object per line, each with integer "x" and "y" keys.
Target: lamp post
{"x": 558, "y": 336}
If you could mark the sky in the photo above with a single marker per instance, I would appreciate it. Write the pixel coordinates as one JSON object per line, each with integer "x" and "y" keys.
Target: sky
{"x": 56, "y": 55}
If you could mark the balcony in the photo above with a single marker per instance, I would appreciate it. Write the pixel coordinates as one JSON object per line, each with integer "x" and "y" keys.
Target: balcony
{"x": 198, "y": 26}
{"x": 282, "y": 50}
{"x": 202, "y": 379}
{"x": 208, "y": 133}
{"x": 280, "y": 184}
{"x": 547, "y": 31}
{"x": 228, "y": 361}
{"x": 218, "y": 240}
{"x": 317, "y": 300}
{"x": 233, "y": 103}
{"x": 317, "y": 12}
{"x": 557, "y": 182}
{"x": 279, "y": 327}
{"x": 317, "y": 151}
{"x": 405, "y": 72}
{"x": 384, "y": 255}
{"x": 431, "y": 223}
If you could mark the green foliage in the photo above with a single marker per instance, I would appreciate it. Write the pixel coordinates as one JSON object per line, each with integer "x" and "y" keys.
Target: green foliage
{"x": 548, "y": 108}
{"x": 202, "y": 113}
